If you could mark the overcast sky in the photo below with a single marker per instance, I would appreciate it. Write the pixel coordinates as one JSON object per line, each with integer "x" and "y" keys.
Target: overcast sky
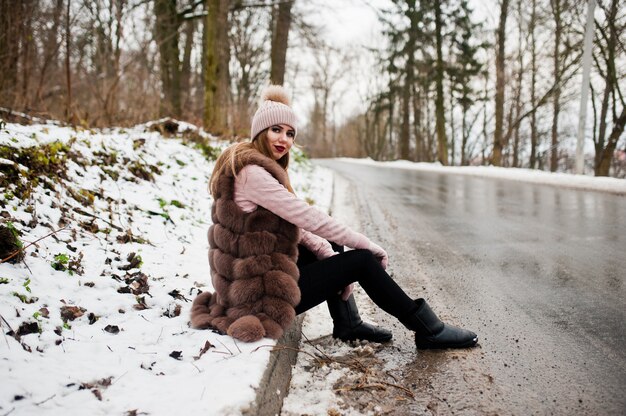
{"x": 352, "y": 25}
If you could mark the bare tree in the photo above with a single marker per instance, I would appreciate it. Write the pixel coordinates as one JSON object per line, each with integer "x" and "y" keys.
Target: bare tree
{"x": 217, "y": 55}
{"x": 50, "y": 52}
{"x": 14, "y": 22}
{"x": 327, "y": 75}
{"x": 26, "y": 61}
{"x": 610, "y": 47}
{"x": 556, "y": 6}
{"x": 377, "y": 120}
{"x": 500, "y": 84}
{"x": 166, "y": 30}
{"x": 559, "y": 56}
{"x": 532, "y": 24}
{"x": 516, "y": 108}
{"x": 185, "y": 70}
{"x": 410, "y": 50}
{"x": 442, "y": 140}
{"x": 250, "y": 53}
{"x": 281, "y": 23}
{"x": 69, "y": 112}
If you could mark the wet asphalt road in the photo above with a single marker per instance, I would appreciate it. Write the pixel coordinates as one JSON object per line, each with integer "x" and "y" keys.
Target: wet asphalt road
{"x": 537, "y": 271}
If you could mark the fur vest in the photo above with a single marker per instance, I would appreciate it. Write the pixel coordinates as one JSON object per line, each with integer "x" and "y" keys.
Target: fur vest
{"x": 253, "y": 266}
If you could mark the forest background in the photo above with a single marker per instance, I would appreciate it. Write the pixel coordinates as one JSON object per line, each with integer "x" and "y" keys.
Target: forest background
{"x": 432, "y": 82}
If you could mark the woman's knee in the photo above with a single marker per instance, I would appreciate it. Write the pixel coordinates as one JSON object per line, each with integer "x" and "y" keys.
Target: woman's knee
{"x": 362, "y": 258}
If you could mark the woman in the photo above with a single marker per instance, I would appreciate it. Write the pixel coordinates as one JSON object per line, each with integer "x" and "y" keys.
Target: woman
{"x": 270, "y": 257}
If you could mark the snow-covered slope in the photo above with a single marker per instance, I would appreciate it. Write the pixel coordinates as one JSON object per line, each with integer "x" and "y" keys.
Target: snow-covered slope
{"x": 96, "y": 315}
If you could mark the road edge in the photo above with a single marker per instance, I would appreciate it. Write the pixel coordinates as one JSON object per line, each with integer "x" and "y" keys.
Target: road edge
{"x": 275, "y": 381}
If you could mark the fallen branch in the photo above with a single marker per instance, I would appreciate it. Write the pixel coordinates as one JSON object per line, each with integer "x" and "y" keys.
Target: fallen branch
{"x": 26, "y": 265}
{"x": 88, "y": 214}
{"x": 397, "y": 386}
{"x": 286, "y": 347}
{"x": 379, "y": 385}
{"x": 10, "y": 329}
{"x": 362, "y": 386}
{"x": 237, "y": 345}
{"x": 16, "y": 252}
{"x": 9, "y": 412}
{"x": 224, "y": 345}
{"x": 315, "y": 346}
{"x": 350, "y": 362}
{"x": 43, "y": 401}
{"x": 357, "y": 365}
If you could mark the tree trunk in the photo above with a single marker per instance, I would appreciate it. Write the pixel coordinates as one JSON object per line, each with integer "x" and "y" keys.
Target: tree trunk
{"x": 185, "y": 75}
{"x": 216, "y": 81}
{"x": 519, "y": 86}
{"x": 11, "y": 21}
{"x": 440, "y": 117}
{"x": 500, "y": 85}
{"x": 324, "y": 126}
{"x": 69, "y": 113}
{"x": 110, "y": 106}
{"x": 50, "y": 60}
{"x": 28, "y": 62}
{"x": 405, "y": 126}
{"x": 604, "y": 163}
{"x": 430, "y": 145}
{"x": 452, "y": 131}
{"x": 464, "y": 136}
{"x": 280, "y": 41}
{"x": 167, "y": 40}
{"x": 417, "y": 126}
{"x": 391, "y": 119}
{"x": 483, "y": 158}
{"x": 533, "y": 86}
{"x": 604, "y": 154}
{"x": 556, "y": 103}
{"x": 516, "y": 145}
{"x": 409, "y": 81}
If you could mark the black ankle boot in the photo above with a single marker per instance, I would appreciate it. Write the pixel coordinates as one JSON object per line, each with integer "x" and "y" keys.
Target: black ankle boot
{"x": 348, "y": 324}
{"x": 431, "y": 333}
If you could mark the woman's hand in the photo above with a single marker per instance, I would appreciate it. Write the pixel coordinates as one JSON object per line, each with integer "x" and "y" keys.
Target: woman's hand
{"x": 347, "y": 291}
{"x": 379, "y": 253}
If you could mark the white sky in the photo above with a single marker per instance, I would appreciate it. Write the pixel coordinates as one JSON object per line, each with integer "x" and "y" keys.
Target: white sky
{"x": 351, "y": 25}
{"x": 353, "y": 21}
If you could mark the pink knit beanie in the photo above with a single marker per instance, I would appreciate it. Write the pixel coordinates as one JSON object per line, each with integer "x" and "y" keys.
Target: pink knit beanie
{"x": 274, "y": 110}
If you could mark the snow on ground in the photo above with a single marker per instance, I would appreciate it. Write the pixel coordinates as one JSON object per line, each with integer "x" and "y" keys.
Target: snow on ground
{"x": 95, "y": 320}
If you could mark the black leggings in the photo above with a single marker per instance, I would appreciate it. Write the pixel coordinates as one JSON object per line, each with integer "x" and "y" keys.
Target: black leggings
{"x": 323, "y": 279}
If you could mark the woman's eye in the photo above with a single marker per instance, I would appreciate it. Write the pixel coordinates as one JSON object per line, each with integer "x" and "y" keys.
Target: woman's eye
{"x": 275, "y": 129}
{"x": 290, "y": 134}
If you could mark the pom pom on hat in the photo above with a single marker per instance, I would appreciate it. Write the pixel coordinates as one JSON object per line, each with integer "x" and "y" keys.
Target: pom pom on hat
{"x": 275, "y": 93}
{"x": 275, "y": 109}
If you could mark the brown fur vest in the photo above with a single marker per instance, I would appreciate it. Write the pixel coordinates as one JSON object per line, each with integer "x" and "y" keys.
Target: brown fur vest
{"x": 253, "y": 266}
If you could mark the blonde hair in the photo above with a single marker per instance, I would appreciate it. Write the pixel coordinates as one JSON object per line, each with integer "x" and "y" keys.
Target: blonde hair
{"x": 234, "y": 158}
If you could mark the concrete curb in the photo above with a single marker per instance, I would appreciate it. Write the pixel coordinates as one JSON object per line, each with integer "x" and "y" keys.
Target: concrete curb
{"x": 277, "y": 376}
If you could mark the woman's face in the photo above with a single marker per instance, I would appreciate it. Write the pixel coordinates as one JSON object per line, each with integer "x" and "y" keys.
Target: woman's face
{"x": 280, "y": 138}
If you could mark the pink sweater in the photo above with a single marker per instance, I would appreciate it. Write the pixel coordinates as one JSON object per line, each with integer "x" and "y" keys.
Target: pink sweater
{"x": 255, "y": 186}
